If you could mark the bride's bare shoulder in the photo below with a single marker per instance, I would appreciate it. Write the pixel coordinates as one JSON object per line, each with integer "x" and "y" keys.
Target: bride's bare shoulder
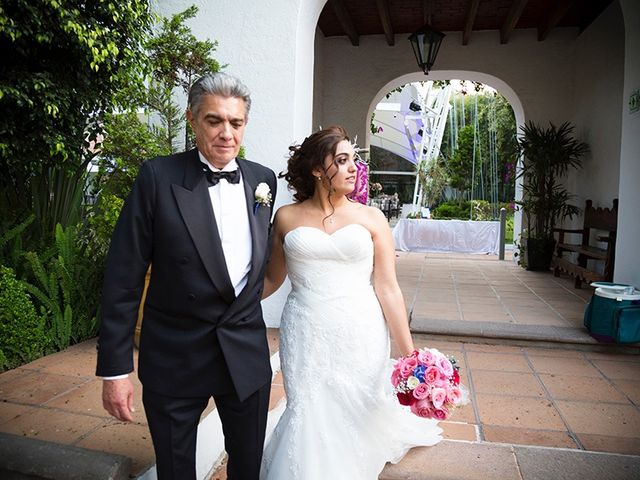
{"x": 287, "y": 215}
{"x": 289, "y": 210}
{"x": 373, "y": 219}
{"x": 372, "y": 213}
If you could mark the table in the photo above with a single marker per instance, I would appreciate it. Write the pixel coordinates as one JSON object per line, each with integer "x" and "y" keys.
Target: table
{"x": 460, "y": 236}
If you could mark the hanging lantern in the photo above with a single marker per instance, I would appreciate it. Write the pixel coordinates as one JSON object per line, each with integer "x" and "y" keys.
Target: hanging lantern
{"x": 426, "y": 43}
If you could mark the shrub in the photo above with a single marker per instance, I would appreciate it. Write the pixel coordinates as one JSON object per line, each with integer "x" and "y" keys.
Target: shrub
{"x": 22, "y": 332}
{"x": 449, "y": 210}
{"x": 482, "y": 210}
{"x": 102, "y": 220}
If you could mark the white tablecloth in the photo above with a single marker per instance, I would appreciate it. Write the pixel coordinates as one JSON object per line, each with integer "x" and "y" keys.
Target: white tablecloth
{"x": 461, "y": 236}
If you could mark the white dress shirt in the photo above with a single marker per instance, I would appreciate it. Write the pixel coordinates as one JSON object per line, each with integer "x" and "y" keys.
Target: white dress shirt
{"x": 232, "y": 219}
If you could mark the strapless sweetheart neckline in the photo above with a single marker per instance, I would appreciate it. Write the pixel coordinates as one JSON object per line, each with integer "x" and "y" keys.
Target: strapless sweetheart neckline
{"x": 305, "y": 227}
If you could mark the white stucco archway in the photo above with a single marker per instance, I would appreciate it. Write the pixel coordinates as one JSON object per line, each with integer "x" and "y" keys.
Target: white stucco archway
{"x": 485, "y": 78}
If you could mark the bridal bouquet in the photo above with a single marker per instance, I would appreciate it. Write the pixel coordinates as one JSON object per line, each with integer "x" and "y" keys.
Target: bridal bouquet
{"x": 428, "y": 382}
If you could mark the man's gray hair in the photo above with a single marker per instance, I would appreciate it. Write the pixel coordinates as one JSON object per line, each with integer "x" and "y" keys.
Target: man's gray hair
{"x": 221, "y": 84}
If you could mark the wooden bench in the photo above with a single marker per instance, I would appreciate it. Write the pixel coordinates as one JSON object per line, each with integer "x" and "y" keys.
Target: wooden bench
{"x": 603, "y": 221}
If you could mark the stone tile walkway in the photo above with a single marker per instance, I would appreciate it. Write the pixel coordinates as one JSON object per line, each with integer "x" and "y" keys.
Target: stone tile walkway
{"x": 479, "y": 288}
{"x": 549, "y": 396}
{"x": 546, "y": 397}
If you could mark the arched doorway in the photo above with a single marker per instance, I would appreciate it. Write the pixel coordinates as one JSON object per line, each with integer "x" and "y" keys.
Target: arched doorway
{"x": 486, "y": 79}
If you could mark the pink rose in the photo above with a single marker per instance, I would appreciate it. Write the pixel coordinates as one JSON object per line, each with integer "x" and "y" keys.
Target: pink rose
{"x": 441, "y": 382}
{"x": 395, "y": 378}
{"x": 441, "y": 413}
{"x": 445, "y": 366}
{"x": 421, "y": 391}
{"x": 425, "y": 357}
{"x": 432, "y": 375}
{"x": 407, "y": 365}
{"x": 422, "y": 408}
{"x": 454, "y": 395}
{"x": 438, "y": 396}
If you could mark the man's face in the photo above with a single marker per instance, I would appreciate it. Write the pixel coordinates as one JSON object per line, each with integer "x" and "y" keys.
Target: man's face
{"x": 219, "y": 127}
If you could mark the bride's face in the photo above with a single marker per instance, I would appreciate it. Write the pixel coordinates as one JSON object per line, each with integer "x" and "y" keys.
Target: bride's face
{"x": 341, "y": 169}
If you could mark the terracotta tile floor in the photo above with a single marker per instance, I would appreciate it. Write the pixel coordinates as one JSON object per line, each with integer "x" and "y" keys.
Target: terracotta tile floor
{"x": 565, "y": 398}
{"x": 480, "y": 288}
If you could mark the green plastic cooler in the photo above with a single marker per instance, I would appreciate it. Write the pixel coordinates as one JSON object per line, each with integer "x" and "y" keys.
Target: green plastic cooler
{"x": 613, "y": 314}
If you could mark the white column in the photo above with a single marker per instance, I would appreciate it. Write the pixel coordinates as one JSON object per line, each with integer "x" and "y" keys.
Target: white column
{"x": 627, "y": 268}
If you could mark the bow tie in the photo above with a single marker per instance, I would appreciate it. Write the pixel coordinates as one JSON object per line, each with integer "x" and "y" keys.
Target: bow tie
{"x": 214, "y": 177}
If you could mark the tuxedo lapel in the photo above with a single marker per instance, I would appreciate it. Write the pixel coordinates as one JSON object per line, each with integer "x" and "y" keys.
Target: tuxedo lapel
{"x": 194, "y": 204}
{"x": 259, "y": 230}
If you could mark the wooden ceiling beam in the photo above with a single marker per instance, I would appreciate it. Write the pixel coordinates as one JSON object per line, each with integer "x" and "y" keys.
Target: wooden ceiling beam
{"x": 512, "y": 20}
{"x": 345, "y": 21}
{"x": 551, "y": 21}
{"x": 468, "y": 23}
{"x": 385, "y": 18}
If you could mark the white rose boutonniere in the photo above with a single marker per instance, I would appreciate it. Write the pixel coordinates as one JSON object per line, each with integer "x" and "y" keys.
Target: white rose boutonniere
{"x": 262, "y": 195}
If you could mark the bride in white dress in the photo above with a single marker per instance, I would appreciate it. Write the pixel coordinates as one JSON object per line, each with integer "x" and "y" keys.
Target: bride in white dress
{"x": 342, "y": 420}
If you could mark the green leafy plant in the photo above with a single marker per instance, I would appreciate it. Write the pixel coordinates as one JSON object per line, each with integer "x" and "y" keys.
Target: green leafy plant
{"x": 520, "y": 254}
{"x": 55, "y": 302}
{"x": 496, "y": 133}
{"x": 549, "y": 154}
{"x": 58, "y": 196}
{"x": 62, "y": 64}
{"x": 433, "y": 180}
{"x": 65, "y": 281}
{"x": 460, "y": 164}
{"x": 11, "y": 245}
{"x": 22, "y": 330}
{"x": 177, "y": 58}
{"x": 128, "y": 142}
{"x": 102, "y": 219}
{"x": 481, "y": 210}
{"x": 67, "y": 66}
{"x": 451, "y": 210}
{"x": 508, "y": 237}
{"x": 466, "y": 210}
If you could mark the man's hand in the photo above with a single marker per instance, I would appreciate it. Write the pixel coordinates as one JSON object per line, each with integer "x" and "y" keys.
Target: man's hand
{"x": 117, "y": 398}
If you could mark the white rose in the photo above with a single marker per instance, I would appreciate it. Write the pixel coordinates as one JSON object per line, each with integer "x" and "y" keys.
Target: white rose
{"x": 412, "y": 382}
{"x": 262, "y": 194}
{"x": 262, "y": 190}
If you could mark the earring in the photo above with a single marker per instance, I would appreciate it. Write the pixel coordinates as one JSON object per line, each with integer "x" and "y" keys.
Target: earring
{"x": 318, "y": 178}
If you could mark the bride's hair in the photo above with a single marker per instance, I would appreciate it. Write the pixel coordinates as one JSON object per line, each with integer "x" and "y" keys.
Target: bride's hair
{"x": 310, "y": 155}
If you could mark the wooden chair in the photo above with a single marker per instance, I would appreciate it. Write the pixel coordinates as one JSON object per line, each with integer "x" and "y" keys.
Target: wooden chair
{"x": 597, "y": 219}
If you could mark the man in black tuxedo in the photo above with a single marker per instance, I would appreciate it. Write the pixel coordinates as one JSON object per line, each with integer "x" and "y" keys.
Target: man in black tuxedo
{"x": 201, "y": 219}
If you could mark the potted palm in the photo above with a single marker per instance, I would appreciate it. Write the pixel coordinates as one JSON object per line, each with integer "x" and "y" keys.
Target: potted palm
{"x": 549, "y": 154}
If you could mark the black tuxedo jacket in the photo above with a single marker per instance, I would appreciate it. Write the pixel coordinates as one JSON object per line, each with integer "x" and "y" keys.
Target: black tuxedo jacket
{"x": 197, "y": 338}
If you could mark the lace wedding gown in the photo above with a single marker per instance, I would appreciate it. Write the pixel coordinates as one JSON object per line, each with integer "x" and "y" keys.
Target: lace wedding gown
{"x": 341, "y": 420}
